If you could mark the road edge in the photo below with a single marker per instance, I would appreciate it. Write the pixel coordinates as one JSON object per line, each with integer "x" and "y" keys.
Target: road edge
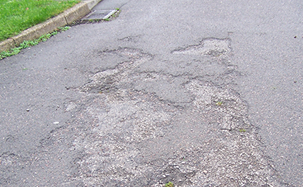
{"x": 67, "y": 17}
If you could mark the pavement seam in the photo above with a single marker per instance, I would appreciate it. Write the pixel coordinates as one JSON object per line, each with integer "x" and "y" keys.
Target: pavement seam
{"x": 67, "y": 17}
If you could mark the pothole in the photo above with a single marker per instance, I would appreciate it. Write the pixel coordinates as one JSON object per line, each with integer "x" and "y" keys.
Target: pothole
{"x": 173, "y": 174}
{"x": 129, "y": 136}
{"x": 107, "y": 81}
{"x": 208, "y": 47}
{"x": 230, "y": 160}
{"x": 230, "y": 108}
{"x": 110, "y": 146}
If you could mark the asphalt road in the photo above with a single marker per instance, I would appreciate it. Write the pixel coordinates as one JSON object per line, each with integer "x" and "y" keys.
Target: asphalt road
{"x": 198, "y": 93}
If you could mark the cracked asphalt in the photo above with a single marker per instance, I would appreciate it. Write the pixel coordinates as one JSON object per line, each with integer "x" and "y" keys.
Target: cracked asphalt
{"x": 198, "y": 93}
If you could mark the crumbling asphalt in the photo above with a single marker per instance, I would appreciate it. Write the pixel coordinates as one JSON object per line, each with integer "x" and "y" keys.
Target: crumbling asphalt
{"x": 197, "y": 93}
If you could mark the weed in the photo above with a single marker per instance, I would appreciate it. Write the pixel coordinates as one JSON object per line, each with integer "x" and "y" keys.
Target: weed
{"x": 26, "y": 44}
{"x": 117, "y": 9}
{"x": 64, "y": 28}
{"x": 219, "y": 103}
{"x": 54, "y": 33}
{"x": 242, "y": 130}
{"x": 169, "y": 184}
{"x": 107, "y": 19}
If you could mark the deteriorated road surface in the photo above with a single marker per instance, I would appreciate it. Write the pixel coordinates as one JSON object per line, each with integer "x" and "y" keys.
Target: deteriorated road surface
{"x": 198, "y": 93}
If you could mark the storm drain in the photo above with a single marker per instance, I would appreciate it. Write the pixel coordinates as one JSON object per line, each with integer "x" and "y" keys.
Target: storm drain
{"x": 99, "y": 15}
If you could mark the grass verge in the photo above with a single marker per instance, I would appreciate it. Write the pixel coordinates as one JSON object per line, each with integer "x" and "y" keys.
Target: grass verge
{"x": 19, "y": 15}
{"x": 27, "y": 44}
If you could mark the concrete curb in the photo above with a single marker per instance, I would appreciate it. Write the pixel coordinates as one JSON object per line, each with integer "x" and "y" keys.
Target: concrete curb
{"x": 67, "y": 17}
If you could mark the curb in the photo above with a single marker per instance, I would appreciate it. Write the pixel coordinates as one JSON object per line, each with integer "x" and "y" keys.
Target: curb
{"x": 67, "y": 17}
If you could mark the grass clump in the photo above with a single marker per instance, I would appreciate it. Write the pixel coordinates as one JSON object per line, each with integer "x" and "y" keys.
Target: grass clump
{"x": 219, "y": 103}
{"x": 19, "y": 15}
{"x": 169, "y": 184}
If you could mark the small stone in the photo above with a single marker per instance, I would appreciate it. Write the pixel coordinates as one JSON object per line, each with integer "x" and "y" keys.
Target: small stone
{"x": 205, "y": 172}
{"x": 56, "y": 123}
{"x": 71, "y": 106}
{"x": 27, "y": 110}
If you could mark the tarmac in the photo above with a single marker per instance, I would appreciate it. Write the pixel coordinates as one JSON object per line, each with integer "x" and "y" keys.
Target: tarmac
{"x": 196, "y": 93}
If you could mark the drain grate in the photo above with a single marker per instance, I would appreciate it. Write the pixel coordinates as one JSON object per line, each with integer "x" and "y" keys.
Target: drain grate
{"x": 99, "y": 15}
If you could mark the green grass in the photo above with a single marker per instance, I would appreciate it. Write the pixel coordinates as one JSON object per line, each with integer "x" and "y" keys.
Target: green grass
{"x": 19, "y": 15}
